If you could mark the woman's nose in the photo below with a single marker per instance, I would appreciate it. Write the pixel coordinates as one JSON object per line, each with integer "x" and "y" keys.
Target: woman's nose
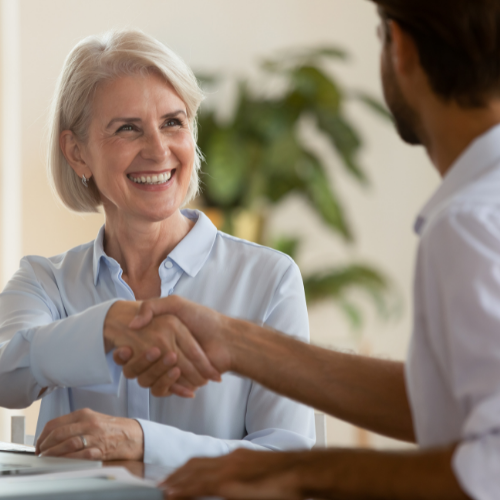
{"x": 155, "y": 147}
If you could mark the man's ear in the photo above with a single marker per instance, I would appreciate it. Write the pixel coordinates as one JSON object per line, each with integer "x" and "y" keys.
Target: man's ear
{"x": 72, "y": 151}
{"x": 403, "y": 50}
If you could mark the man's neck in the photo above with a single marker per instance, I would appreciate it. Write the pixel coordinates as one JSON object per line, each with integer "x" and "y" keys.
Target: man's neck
{"x": 450, "y": 129}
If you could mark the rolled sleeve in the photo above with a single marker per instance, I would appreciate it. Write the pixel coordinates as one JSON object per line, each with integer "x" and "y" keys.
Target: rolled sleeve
{"x": 476, "y": 464}
{"x": 172, "y": 447}
{"x": 39, "y": 350}
{"x": 70, "y": 352}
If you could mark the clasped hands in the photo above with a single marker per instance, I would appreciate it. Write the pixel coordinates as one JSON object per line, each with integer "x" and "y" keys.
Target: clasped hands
{"x": 154, "y": 345}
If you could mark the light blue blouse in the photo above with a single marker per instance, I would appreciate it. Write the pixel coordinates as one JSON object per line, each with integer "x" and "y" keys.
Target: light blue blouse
{"x": 51, "y": 319}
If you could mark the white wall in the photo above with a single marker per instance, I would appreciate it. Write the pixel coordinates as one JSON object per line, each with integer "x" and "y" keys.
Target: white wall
{"x": 231, "y": 35}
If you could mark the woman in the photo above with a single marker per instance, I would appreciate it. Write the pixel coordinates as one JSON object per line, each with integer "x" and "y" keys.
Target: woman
{"x": 123, "y": 136}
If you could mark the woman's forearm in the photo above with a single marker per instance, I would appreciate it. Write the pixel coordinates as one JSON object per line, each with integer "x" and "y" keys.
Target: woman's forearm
{"x": 367, "y": 392}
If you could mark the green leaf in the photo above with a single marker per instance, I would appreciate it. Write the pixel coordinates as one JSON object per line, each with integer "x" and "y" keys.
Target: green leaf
{"x": 353, "y": 313}
{"x": 317, "y": 89}
{"x": 225, "y": 168}
{"x": 335, "y": 282}
{"x": 374, "y": 105}
{"x": 264, "y": 120}
{"x": 286, "y": 245}
{"x": 344, "y": 139}
{"x": 322, "y": 197}
{"x": 336, "y": 285}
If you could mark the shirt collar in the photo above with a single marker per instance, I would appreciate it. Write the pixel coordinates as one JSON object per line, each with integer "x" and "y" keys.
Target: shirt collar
{"x": 98, "y": 253}
{"x": 190, "y": 254}
{"x": 475, "y": 161}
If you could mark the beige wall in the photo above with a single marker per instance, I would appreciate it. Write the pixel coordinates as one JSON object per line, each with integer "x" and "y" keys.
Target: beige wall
{"x": 231, "y": 35}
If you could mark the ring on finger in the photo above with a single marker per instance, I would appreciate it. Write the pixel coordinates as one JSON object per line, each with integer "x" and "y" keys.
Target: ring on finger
{"x": 84, "y": 442}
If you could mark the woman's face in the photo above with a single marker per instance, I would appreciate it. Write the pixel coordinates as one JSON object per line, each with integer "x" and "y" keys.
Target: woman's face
{"x": 139, "y": 148}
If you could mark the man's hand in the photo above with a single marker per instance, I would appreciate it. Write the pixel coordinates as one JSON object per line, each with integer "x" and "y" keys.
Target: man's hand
{"x": 329, "y": 473}
{"x": 104, "y": 437}
{"x": 207, "y": 326}
{"x": 162, "y": 355}
{"x": 244, "y": 474}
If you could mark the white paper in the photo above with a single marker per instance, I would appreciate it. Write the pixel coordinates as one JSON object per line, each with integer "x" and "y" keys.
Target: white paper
{"x": 16, "y": 447}
{"x": 119, "y": 474}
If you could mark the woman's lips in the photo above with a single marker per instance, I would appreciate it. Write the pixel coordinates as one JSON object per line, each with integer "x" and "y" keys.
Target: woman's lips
{"x": 149, "y": 181}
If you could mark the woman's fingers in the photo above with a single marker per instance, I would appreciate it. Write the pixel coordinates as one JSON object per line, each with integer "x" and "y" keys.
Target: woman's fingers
{"x": 122, "y": 355}
{"x": 181, "y": 391}
{"x": 159, "y": 371}
{"x": 72, "y": 444}
{"x": 57, "y": 424}
{"x": 150, "y": 361}
{"x": 163, "y": 387}
{"x": 103, "y": 437}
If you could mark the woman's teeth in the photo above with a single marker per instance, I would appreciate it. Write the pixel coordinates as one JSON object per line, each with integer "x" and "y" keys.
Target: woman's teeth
{"x": 151, "y": 179}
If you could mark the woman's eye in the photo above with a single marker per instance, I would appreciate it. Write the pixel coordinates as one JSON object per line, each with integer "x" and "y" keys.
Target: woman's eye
{"x": 126, "y": 128}
{"x": 173, "y": 122}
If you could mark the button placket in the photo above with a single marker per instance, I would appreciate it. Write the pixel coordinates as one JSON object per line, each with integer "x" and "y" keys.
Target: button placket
{"x": 170, "y": 275}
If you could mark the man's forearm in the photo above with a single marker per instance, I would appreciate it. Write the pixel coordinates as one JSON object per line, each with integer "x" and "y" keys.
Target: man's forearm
{"x": 333, "y": 473}
{"x": 367, "y": 392}
{"x": 365, "y": 475}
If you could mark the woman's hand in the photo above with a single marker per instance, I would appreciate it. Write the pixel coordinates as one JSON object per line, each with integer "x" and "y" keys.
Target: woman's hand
{"x": 246, "y": 474}
{"x": 160, "y": 354}
{"x": 104, "y": 437}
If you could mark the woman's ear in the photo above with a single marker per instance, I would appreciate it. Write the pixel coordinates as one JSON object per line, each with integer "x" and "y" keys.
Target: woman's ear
{"x": 72, "y": 151}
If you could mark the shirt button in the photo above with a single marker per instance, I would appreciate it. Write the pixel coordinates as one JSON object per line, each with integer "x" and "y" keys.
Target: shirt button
{"x": 168, "y": 264}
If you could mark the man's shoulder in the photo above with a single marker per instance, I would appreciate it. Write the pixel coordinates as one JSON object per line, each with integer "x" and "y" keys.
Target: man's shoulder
{"x": 475, "y": 207}
{"x": 464, "y": 232}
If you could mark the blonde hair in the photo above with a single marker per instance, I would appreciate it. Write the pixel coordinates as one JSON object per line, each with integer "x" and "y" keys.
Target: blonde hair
{"x": 92, "y": 61}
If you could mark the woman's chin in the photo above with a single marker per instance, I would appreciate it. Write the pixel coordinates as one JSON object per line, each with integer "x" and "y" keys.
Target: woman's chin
{"x": 161, "y": 214}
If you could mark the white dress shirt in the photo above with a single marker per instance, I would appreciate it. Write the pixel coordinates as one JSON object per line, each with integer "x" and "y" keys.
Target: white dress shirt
{"x": 51, "y": 320}
{"x": 453, "y": 370}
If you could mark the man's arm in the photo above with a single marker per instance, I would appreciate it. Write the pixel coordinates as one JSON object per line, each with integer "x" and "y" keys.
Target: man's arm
{"x": 334, "y": 473}
{"x": 367, "y": 392}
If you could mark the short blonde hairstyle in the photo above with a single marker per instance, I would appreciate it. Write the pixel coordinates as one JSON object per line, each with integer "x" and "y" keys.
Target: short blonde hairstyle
{"x": 102, "y": 58}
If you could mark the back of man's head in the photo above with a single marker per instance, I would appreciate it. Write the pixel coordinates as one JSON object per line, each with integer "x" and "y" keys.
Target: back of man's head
{"x": 458, "y": 42}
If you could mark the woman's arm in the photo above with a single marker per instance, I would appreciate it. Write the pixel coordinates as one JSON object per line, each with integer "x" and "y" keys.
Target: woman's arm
{"x": 40, "y": 349}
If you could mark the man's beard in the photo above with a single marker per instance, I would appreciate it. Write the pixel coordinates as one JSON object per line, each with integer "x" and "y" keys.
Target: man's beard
{"x": 405, "y": 118}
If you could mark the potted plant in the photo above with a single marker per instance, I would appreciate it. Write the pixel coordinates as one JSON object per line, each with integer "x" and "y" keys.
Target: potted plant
{"x": 257, "y": 158}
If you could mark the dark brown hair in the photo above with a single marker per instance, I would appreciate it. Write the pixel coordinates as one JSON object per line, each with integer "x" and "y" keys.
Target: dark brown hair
{"x": 458, "y": 43}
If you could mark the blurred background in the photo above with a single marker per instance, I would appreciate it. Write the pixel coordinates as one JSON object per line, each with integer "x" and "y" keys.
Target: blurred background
{"x": 300, "y": 155}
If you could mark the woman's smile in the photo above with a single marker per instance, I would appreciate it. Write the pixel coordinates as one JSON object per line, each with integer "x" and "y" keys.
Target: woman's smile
{"x": 153, "y": 181}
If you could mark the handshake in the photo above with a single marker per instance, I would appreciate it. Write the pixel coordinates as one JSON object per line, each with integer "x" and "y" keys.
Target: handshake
{"x": 170, "y": 345}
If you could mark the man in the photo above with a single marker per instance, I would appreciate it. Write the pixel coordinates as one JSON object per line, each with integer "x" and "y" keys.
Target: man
{"x": 440, "y": 68}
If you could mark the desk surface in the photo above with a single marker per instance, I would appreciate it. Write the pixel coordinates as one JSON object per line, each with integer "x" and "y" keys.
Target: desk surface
{"x": 140, "y": 469}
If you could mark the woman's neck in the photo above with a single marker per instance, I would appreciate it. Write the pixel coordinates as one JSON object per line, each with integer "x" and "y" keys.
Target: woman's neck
{"x": 140, "y": 247}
